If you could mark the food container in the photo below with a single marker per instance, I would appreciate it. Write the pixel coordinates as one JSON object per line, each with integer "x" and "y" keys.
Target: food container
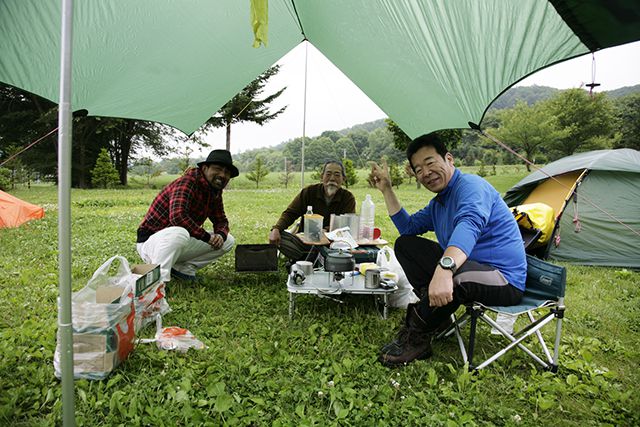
{"x": 313, "y": 227}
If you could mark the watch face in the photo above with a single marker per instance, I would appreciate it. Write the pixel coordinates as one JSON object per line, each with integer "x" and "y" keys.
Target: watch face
{"x": 447, "y": 262}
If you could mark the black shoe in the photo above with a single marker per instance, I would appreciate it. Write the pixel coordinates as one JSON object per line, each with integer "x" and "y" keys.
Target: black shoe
{"x": 182, "y": 276}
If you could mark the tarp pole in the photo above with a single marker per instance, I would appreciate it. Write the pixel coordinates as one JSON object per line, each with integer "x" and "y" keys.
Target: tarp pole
{"x": 304, "y": 115}
{"x": 65, "y": 330}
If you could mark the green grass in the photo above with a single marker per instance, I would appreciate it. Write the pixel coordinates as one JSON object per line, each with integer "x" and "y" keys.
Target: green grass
{"x": 319, "y": 369}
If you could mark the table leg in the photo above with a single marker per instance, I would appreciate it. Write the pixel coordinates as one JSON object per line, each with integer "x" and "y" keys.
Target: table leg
{"x": 292, "y": 303}
{"x": 385, "y": 300}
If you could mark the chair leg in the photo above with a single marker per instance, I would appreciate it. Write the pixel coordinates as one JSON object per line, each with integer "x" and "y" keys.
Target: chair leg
{"x": 474, "y": 312}
{"x": 559, "y": 314}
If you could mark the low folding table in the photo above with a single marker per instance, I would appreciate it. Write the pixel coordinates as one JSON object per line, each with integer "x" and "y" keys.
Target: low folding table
{"x": 322, "y": 284}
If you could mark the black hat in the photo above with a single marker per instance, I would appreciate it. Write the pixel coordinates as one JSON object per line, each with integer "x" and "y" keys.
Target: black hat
{"x": 221, "y": 157}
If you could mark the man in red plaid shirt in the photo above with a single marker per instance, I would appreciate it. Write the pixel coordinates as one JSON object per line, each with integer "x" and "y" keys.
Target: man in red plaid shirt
{"x": 172, "y": 234}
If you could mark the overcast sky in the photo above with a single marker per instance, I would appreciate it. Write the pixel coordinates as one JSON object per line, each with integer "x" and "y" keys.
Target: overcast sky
{"x": 334, "y": 103}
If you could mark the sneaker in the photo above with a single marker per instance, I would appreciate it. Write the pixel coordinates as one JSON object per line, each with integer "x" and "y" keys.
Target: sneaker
{"x": 182, "y": 276}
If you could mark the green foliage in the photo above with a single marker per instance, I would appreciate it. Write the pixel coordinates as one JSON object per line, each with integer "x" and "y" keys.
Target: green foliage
{"x": 5, "y": 179}
{"x": 525, "y": 128}
{"x": 350, "y": 171}
{"x": 147, "y": 168}
{"x": 257, "y": 172}
{"x": 395, "y": 174}
{"x": 320, "y": 368}
{"x": 104, "y": 174}
{"x": 585, "y": 122}
{"x": 481, "y": 171}
{"x": 627, "y": 111}
{"x": 287, "y": 173}
{"x": 400, "y": 139}
{"x": 247, "y": 106}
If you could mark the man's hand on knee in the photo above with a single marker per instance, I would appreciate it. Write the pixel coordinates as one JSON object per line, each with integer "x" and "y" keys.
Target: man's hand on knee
{"x": 441, "y": 288}
{"x": 216, "y": 241}
{"x": 274, "y": 237}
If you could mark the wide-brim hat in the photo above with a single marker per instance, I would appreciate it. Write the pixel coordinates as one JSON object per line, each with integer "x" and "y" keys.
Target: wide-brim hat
{"x": 221, "y": 157}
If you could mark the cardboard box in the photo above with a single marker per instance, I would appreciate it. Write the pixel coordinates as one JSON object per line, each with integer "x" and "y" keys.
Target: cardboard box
{"x": 99, "y": 363}
{"x": 104, "y": 342}
{"x": 149, "y": 274}
{"x": 109, "y": 294}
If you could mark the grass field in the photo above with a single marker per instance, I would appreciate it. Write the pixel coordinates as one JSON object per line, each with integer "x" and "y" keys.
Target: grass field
{"x": 320, "y": 369}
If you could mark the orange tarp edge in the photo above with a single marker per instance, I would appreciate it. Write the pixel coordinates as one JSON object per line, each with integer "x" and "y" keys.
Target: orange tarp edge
{"x": 15, "y": 212}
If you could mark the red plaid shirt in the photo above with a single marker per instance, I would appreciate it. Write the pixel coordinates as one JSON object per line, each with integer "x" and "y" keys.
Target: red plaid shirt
{"x": 187, "y": 202}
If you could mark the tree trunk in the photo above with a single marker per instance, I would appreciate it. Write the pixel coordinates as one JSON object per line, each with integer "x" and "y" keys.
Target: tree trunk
{"x": 121, "y": 151}
{"x": 229, "y": 136}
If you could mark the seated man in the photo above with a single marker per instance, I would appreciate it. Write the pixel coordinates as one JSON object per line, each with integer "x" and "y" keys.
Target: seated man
{"x": 325, "y": 198}
{"x": 171, "y": 233}
{"x": 479, "y": 255}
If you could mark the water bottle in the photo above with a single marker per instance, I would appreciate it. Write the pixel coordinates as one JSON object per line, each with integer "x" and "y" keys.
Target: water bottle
{"x": 367, "y": 215}
{"x": 307, "y": 218}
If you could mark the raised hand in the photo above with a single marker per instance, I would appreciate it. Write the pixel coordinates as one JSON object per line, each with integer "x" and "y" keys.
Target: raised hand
{"x": 379, "y": 176}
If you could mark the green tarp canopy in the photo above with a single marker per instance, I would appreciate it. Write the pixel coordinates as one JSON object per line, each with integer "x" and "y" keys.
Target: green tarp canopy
{"x": 599, "y": 219}
{"x": 427, "y": 64}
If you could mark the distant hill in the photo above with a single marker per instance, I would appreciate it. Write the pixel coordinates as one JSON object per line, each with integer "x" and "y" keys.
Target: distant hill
{"x": 529, "y": 94}
{"x": 533, "y": 94}
{"x": 624, "y": 91}
{"x": 367, "y": 126}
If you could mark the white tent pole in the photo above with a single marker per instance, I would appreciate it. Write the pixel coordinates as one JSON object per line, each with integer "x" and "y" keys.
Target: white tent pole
{"x": 65, "y": 330}
{"x": 304, "y": 114}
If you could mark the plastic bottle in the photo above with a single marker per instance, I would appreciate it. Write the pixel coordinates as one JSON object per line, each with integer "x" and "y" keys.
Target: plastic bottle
{"x": 308, "y": 218}
{"x": 367, "y": 215}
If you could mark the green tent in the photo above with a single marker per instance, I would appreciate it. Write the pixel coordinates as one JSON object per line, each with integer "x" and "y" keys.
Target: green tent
{"x": 596, "y": 201}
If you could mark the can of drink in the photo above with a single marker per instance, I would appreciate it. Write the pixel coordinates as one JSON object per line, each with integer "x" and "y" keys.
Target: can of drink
{"x": 372, "y": 278}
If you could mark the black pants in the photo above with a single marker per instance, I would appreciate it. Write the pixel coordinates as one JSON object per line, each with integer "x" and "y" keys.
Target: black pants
{"x": 294, "y": 248}
{"x": 472, "y": 281}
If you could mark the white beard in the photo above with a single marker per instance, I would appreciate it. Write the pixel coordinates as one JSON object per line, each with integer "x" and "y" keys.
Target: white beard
{"x": 330, "y": 190}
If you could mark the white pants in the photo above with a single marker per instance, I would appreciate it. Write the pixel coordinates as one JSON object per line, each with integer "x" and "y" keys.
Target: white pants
{"x": 173, "y": 247}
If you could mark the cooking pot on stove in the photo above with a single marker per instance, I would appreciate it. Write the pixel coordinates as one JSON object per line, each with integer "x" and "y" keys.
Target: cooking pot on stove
{"x": 339, "y": 262}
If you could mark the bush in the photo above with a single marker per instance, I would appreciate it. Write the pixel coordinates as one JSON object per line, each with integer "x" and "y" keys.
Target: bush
{"x": 104, "y": 174}
{"x": 5, "y": 179}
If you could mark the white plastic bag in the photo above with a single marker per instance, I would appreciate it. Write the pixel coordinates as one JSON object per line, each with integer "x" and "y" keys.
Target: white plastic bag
{"x": 103, "y": 333}
{"x": 404, "y": 295}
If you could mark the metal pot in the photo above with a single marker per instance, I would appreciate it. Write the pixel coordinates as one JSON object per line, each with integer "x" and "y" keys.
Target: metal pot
{"x": 339, "y": 262}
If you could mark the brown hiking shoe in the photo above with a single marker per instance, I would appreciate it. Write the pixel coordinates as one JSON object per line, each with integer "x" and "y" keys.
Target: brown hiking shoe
{"x": 417, "y": 346}
{"x": 411, "y": 343}
{"x": 395, "y": 346}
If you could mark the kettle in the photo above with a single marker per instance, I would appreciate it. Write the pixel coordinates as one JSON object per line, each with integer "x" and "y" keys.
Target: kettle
{"x": 339, "y": 261}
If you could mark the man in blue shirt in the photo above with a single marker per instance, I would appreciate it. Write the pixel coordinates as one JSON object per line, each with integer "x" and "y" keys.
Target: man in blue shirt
{"x": 479, "y": 255}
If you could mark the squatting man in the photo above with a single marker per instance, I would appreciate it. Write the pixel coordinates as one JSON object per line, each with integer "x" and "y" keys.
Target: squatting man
{"x": 479, "y": 255}
{"x": 172, "y": 234}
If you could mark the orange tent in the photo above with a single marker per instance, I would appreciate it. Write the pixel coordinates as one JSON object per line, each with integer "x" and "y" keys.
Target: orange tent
{"x": 15, "y": 212}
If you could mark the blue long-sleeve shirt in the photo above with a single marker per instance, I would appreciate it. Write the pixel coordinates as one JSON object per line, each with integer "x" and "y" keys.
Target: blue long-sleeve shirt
{"x": 470, "y": 215}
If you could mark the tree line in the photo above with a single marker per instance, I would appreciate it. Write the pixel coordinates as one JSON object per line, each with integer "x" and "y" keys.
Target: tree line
{"x": 541, "y": 124}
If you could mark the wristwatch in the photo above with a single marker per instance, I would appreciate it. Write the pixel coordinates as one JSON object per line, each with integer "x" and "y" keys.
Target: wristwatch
{"x": 448, "y": 263}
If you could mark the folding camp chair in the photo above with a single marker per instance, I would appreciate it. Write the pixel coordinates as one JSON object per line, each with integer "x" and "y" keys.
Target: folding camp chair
{"x": 545, "y": 288}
